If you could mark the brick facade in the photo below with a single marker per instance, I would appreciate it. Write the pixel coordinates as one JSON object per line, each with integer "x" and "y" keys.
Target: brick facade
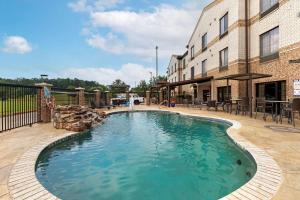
{"x": 285, "y": 16}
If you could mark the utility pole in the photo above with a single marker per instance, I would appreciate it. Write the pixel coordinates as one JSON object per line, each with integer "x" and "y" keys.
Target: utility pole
{"x": 156, "y": 48}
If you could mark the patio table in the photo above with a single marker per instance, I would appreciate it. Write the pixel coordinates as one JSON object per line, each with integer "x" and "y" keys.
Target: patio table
{"x": 277, "y": 104}
{"x": 236, "y": 102}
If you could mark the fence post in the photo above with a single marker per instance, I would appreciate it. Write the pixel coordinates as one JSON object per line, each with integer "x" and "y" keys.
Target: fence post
{"x": 44, "y": 112}
{"x": 108, "y": 97}
{"x": 81, "y": 98}
{"x": 148, "y": 98}
{"x": 98, "y": 97}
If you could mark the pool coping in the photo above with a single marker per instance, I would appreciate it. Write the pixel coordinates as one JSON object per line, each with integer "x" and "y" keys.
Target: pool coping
{"x": 23, "y": 183}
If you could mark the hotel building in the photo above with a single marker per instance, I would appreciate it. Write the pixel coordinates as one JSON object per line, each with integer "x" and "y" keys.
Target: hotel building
{"x": 239, "y": 37}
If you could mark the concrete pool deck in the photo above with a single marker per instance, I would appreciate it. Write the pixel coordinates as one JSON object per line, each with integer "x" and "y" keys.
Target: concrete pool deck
{"x": 284, "y": 147}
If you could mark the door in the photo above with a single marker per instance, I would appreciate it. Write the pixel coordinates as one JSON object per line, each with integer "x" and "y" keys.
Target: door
{"x": 205, "y": 95}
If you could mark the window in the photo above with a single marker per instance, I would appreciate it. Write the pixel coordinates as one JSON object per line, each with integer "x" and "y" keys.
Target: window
{"x": 224, "y": 25}
{"x": 175, "y": 67}
{"x": 183, "y": 77}
{"x": 271, "y": 90}
{"x": 222, "y": 93}
{"x": 204, "y": 42}
{"x": 175, "y": 79}
{"x": 267, "y": 6}
{"x": 204, "y": 72}
{"x": 192, "y": 52}
{"x": 269, "y": 45}
{"x": 224, "y": 59}
{"x": 192, "y": 73}
{"x": 183, "y": 63}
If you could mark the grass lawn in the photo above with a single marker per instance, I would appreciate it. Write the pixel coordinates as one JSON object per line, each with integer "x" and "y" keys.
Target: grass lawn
{"x": 64, "y": 99}
{"x": 13, "y": 106}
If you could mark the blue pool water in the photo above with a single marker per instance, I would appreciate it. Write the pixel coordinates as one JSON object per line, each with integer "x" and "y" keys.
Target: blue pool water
{"x": 146, "y": 155}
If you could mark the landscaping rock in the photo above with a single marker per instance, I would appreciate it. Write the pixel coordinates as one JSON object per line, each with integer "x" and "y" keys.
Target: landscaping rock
{"x": 76, "y": 118}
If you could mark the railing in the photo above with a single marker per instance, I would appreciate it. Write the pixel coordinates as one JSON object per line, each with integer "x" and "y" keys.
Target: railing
{"x": 65, "y": 96}
{"x": 19, "y": 106}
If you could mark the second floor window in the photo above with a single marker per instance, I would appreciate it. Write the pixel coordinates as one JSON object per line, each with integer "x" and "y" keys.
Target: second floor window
{"x": 269, "y": 43}
{"x": 204, "y": 42}
{"x": 183, "y": 77}
{"x": 175, "y": 67}
{"x": 192, "y": 73}
{"x": 192, "y": 52}
{"x": 204, "y": 70}
{"x": 224, "y": 58}
{"x": 224, "y": 25}
{"x": 183, "y": 64}
{"x": 266, "y": 5}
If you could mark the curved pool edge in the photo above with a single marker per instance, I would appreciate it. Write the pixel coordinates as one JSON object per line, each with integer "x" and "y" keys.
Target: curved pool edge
{"x": 264, "y": 184}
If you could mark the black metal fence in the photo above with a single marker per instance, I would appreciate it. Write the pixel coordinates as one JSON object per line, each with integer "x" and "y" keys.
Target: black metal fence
{"x": 65, "y": 96}
{"x": 90, "y": 99}
{"x": 103, "y": 99}
{"x": 19, "y": 106}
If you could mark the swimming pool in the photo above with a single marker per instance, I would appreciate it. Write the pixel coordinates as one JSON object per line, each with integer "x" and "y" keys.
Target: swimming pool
{"x": 147, "y": 155}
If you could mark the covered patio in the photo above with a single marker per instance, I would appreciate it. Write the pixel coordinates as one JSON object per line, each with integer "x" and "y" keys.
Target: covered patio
{"x": 244, "y": 77}
{"x": 171, "y": 86}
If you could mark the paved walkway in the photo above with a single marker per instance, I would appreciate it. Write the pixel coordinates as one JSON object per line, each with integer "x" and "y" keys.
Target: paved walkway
{"x": 15, "y": 143}
{"x": 284, "y": 147}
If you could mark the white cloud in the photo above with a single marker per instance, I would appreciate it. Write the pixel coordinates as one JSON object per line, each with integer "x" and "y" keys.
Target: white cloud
{"x": 138, "y": 32}
{"x": 130, "y": 73}
{"x": 92, "y": 5}
{"x": 16, "y": 44}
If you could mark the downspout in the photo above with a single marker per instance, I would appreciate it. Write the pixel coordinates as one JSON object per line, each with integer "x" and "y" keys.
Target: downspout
{"x": 248, "y": 70}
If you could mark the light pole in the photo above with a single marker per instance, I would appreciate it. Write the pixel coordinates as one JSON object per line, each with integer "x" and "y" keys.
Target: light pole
{"x": 156, "y": 48}
{"x": 151, "y": 77}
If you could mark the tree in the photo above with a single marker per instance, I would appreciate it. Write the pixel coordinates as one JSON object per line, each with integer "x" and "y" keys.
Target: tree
{"x": 119, "y": 86}
{"x": 62, "y": 83}
{"x": 154, "y": 80}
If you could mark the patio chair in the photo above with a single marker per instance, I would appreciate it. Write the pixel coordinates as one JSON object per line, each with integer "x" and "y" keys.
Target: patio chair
{"x": 227, "y": 106}
{"x": 212, "y": 104}
{"x": 197, "y": 103}
{"x": 243, "y": 106}
{"x": 185, "y": 102}
{"x": 202, "y": 104}
{"x": 291, "y": 110}
{"x": 262, "y": 106}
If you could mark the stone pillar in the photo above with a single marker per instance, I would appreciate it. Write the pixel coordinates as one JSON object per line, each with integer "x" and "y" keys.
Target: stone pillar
{"x": 160, "y": 94}
{"x": 97, "y": 97}
{"x": 127, "y": 96}
{"x": 148, "y": 101}
{"x": 108, "y": 97}
{"x": 81, "y": 98}
{"x": 44, "y": 112}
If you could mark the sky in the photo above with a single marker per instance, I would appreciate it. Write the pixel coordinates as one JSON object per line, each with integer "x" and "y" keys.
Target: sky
{"x": 99, "y": 40}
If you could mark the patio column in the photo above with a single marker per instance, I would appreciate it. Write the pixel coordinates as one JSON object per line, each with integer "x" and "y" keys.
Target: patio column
{"x": 98, "y": 97}
{"x": 193, "y": 92}
{"x": 81, "y": 98}
{"x": 160, "y": 93}
{"x": 108, "y": 97}
{"x": 168, "y": 96}
{"x": 212, "y": 90}
{"x": 227, "y": 89}
{"x": 44, "y": 99}
{"x": 127, "y": 96}
{"x": 148, "y": 98}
